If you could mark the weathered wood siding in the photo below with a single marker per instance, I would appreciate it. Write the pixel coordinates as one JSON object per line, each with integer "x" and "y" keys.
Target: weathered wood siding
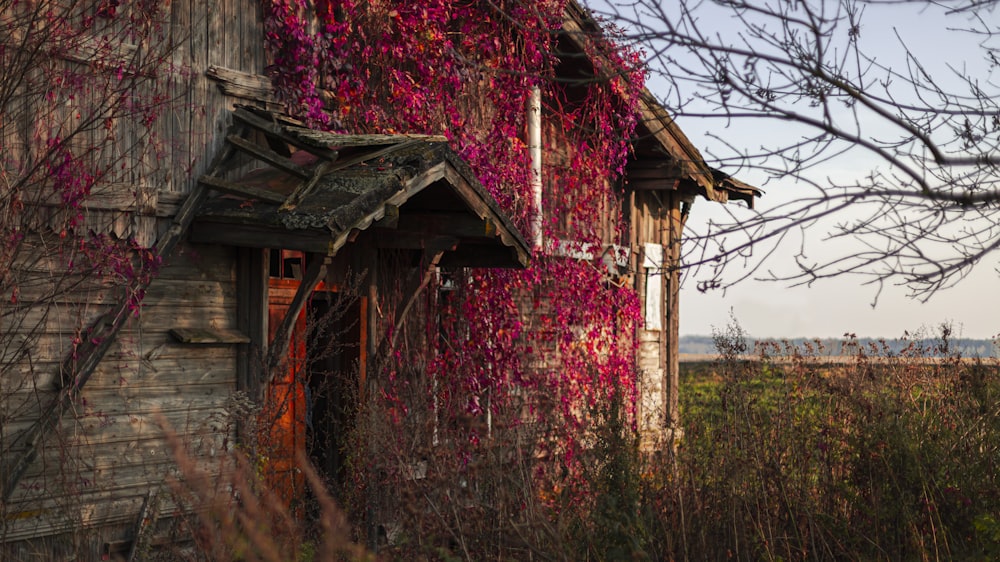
{"x": 110, "y": 452}
{"x": 104, "y": 457}
{"x": 655, "y": 229}
{"x": 564, "y": 215}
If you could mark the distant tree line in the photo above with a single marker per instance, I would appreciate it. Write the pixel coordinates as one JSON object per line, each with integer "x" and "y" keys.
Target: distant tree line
{"x": 931, "y": 345}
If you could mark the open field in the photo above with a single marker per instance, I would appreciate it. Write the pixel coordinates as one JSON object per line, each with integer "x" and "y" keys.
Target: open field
{"x": 819, "y": 458}
{"x": 835, "y": 359}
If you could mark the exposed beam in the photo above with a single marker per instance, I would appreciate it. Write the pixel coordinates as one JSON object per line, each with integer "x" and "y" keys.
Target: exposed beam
{"x": 303, "y": 190}
{"x": 269, "y": 156}
{"x": 245, "y": 190}
{"x": 275, "y": 130}
{"x": 433, "y": 256}
{"x": 256, "y": 236}
{"x": 289, "y": 203}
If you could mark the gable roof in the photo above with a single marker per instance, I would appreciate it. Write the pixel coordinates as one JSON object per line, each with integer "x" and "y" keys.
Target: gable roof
{"x": 663, "y": 157}
{"x": 414, "y": 190}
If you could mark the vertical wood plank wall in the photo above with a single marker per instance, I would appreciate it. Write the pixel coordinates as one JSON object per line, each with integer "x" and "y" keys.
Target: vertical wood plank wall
{"x": 656, "y": 220}
{"x": 104, "y": 458}
{"x": 671, "y": 323}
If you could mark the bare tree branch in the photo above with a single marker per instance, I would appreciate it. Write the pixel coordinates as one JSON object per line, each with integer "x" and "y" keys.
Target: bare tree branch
{"x": 873, "y": 139}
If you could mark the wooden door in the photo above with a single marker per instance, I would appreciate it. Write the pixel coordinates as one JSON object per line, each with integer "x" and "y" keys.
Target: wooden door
{"x": 286, "y": 407}
{"x": 310, "y": 404}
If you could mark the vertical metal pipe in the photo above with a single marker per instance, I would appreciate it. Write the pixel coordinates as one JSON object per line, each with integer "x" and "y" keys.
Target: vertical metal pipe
{"x": 535, "y": 151}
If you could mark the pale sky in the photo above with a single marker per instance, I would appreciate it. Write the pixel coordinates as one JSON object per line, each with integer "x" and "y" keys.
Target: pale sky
{"x": 833, "y": 307}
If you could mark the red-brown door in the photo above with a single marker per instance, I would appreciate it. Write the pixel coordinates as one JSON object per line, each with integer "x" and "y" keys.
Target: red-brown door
{"x": 311, "y": 391}
{"x": 284, "y": 432}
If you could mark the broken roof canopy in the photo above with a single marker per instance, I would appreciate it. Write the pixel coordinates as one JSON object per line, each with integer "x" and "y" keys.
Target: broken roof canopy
{"x": 414, "y": 188}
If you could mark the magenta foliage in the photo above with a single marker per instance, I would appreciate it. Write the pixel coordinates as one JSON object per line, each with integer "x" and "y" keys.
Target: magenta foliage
{"x": 464, "y": 70}
{"x": 81, "y": 96}
{"x": 71, "y": 179}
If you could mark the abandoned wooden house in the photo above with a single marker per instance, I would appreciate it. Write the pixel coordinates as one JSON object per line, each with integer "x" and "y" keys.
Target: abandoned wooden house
{"x": 253, "y": 221}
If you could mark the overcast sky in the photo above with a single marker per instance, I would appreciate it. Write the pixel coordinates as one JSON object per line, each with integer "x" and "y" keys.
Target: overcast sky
{"x": 835, "y": 307}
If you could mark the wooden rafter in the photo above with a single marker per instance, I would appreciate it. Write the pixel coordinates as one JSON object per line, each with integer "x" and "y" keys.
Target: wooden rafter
{"x": 275, "y": 130}
{"x": 248, "y": 191}
{"x": 269, "y": 156}
{"x": 432, "y": 256}
{"x": 305, "y": 188}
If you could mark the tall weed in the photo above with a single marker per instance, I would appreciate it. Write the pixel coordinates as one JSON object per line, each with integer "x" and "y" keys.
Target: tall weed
{"x": 885, "y": 456}
{"x": 786, "y": 455}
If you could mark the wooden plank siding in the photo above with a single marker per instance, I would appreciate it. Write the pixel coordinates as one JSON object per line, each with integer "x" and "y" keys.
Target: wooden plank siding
{"x": 98, "y": 465}
{"x": 656, "y": 219}
{"x": 146, "y": 378}
{"x": 559, "y": 212}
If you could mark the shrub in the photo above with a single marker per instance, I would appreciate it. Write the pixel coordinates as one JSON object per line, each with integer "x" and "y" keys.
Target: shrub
{"x": 884, "y": 456}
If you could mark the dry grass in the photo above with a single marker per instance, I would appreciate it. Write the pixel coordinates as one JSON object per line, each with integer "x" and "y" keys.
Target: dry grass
{"x": 785, "y": 457}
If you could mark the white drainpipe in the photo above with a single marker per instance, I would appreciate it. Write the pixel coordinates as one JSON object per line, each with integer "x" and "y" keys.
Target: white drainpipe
{"x": 535, "y": 151}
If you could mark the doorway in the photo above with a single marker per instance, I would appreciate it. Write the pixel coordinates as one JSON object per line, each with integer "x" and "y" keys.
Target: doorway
{"x": 312, "y": 400}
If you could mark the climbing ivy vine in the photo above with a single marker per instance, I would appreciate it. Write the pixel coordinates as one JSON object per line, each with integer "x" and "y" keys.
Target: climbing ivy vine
{"x": 561, "y": 329}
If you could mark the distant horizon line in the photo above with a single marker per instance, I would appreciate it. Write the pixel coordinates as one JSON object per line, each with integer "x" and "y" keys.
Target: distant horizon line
{"x": 912, "y": 335}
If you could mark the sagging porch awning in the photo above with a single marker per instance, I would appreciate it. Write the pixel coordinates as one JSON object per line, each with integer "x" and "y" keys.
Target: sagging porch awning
{"x": 316, "y": 191}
